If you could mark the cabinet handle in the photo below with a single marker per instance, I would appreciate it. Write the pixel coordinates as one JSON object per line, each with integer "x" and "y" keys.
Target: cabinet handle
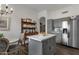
{"x": 49, "y": 48}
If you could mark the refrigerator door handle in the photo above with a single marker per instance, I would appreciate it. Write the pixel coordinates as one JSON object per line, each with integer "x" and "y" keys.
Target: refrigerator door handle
{"x": 68, "y": 35}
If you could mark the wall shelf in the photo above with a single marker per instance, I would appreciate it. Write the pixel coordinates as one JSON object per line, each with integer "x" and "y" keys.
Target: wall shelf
{"x": 28, "y": 27}
{"x": 30, "y": 23}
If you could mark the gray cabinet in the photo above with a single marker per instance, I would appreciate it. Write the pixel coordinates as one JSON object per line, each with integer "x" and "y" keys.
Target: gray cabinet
{"x": 44, "y": 47}
{"x": 58, "y": 23}
{"x": 50, "y": 25}
{"x": 48, "y": 46}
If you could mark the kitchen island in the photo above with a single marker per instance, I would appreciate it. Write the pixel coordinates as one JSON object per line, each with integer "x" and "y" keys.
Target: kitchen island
{"x": 42, "y": 44}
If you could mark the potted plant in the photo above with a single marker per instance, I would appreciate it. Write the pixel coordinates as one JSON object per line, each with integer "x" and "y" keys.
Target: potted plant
{"x": 1, "y": 35}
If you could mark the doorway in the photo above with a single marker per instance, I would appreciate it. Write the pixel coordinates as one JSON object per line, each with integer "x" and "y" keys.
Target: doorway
{"x": 42, "y": 24}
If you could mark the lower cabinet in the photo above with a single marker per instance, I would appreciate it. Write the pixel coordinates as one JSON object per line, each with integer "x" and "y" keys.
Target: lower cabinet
{"x": 45, "y": 47}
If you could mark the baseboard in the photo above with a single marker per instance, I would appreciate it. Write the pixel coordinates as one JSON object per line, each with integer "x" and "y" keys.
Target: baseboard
{"x": 67, "y": 46}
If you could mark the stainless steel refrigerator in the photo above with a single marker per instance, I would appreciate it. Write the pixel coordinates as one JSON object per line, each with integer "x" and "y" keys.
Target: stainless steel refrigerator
{"x": 66, "y": 31}
{"x": 70, "y": 35}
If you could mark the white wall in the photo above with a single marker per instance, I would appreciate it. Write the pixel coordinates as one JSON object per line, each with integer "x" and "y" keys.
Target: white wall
{"x": 72, "y": 10}
{"x": 42, "y": 13}
{"x": 19, "y": 12}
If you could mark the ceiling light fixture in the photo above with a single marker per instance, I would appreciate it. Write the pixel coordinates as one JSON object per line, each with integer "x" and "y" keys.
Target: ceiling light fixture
{"x": 5, "y": 10}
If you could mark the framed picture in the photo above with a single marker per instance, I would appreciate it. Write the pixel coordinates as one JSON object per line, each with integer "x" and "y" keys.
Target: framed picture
{"x": 4, "y": 23}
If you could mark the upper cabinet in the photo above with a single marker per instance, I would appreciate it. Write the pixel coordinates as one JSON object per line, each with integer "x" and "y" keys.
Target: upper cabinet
{"x": 57, "y": 23}
{"x": 50, "y": 25}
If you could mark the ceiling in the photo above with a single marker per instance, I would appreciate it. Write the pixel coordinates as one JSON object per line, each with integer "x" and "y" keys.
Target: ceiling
{"x": 39, "y": 7}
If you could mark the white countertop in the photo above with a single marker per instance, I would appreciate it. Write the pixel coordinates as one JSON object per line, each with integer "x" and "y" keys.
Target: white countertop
{"x": 40, "y": 37}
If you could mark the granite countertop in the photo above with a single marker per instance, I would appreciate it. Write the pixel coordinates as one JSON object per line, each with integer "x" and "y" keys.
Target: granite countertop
{"x": 41, "y": 37}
